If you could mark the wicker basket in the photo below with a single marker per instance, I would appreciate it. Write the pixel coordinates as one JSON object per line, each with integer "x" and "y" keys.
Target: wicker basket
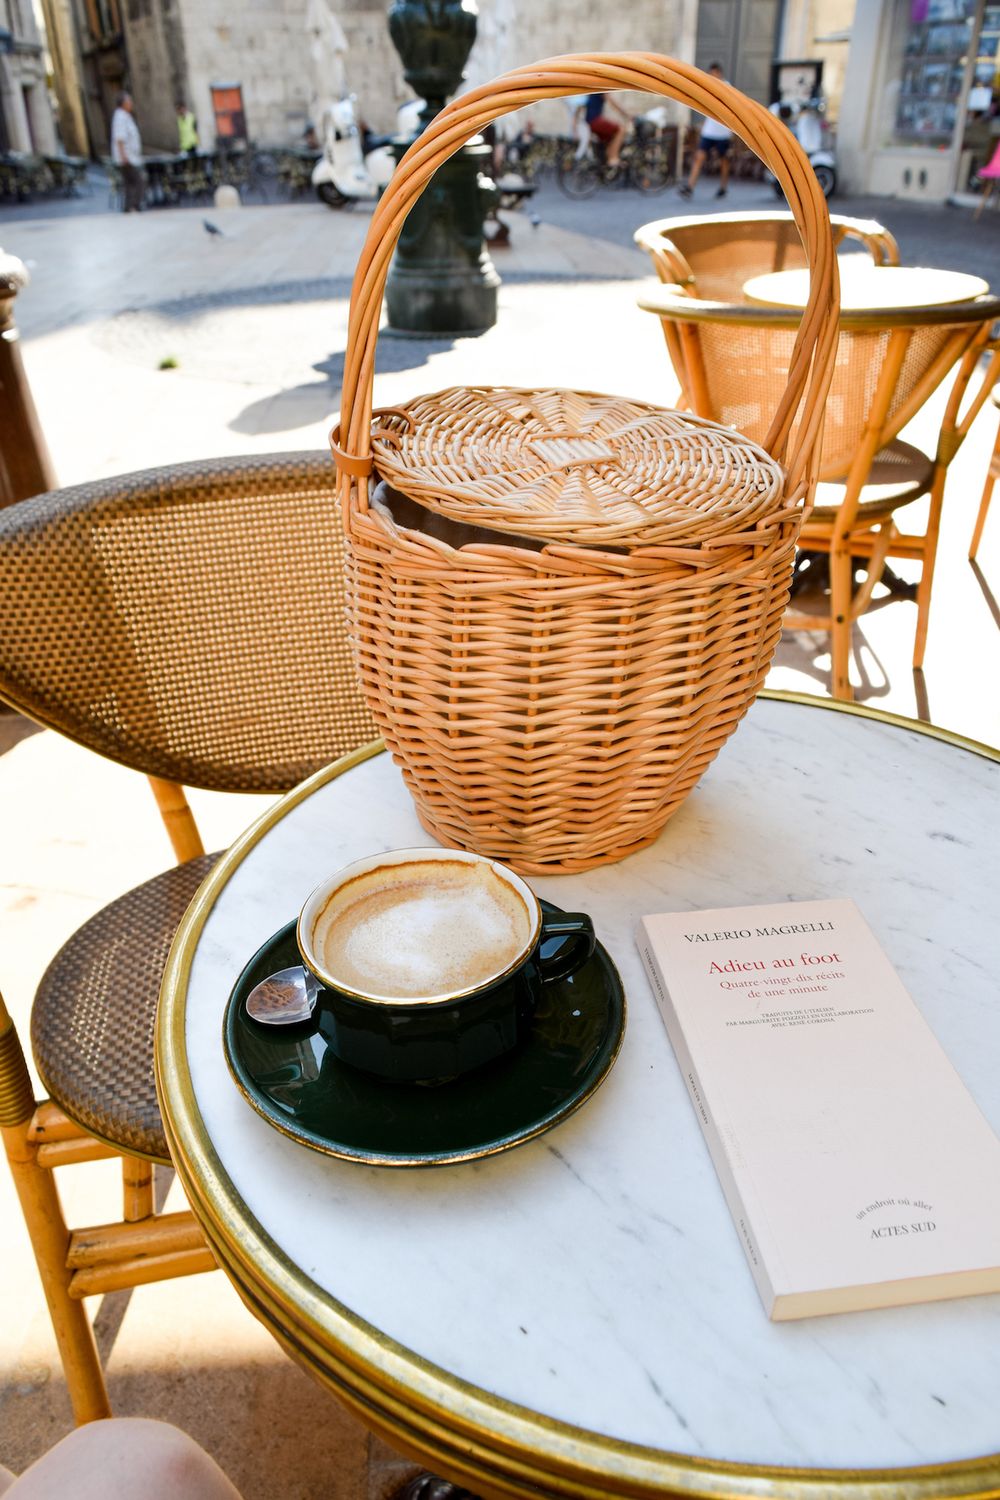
{"x": 563, "y": 603}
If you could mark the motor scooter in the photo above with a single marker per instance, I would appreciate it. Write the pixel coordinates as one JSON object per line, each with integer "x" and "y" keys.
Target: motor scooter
{"x": 809, "y": 130}
{"x": 356, "y": 165}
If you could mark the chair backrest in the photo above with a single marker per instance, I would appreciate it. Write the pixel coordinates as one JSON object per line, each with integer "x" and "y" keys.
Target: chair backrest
{"x": 992, "y": 167}
{"x": 187, "y": 621}
{"x": 732, "y": 362}
{"x": 712, "y": 258}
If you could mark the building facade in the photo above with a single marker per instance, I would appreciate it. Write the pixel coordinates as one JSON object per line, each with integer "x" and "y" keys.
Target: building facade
{"x": 259, "y": 53}
{"x": 86, "y": 40}
{"x": 26, "y": 121}
{"x": 910, "y": 84}
{"x": 820, "y": 31}
{"x": 264, "y": 47}
{"x": 742, "y": 36}
{"x": 921, "y": 96}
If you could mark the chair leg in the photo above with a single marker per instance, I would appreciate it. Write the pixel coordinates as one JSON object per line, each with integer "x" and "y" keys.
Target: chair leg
{"x": 927, "y": 568}
{"x": 984, "y": 504}
{"x": 874, "y": 569}
{"x": 840, "y": 625}
{"x": 137, "y": 1189}
{"x": 984, "y": 197}
{"x": 43, "y": 1215}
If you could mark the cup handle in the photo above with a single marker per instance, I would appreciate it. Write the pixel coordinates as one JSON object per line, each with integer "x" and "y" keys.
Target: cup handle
{"x": 570, "y": 956}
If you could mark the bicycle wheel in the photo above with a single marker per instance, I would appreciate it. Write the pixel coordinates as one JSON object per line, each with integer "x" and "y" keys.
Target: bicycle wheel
{"x": 263, "y": 175}
{"x": 265, "y": 163}
{"x": 652, "y": 169}
{"x": 578, "y": 178}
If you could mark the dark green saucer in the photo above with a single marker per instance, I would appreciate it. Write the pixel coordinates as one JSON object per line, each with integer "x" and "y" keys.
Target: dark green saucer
{"x": 293, "y": 1079}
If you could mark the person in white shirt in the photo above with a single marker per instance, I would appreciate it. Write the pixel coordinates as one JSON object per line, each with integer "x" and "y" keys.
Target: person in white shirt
{"x": 715, "y": 141}
{"x": 126, "y": 152}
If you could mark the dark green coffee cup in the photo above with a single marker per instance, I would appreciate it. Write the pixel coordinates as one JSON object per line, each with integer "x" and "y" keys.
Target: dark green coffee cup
{"x": 432, "y": 961}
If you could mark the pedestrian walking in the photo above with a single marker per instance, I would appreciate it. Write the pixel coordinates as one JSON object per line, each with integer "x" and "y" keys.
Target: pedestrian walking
{"x": 715, "y": 140}
{"x": 126, "y": 152}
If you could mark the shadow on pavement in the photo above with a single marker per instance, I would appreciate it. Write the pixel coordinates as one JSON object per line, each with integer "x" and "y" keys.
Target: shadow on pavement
{"x": 315, "y": 400}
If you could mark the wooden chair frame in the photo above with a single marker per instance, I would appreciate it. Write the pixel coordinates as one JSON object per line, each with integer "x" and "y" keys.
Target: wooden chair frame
{"x": 74, "y": 1264}
{"x": 849, "y": 536}
{"x": 40, "y": 1135}
{"x": 664, "y": 241}
{"x": 992, "y": 475}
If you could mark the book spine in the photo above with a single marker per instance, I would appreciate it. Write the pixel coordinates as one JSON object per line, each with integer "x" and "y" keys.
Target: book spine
{"x": 714, "y": 1139}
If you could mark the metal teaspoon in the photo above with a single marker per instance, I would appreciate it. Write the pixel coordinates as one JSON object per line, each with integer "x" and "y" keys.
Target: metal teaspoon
{"x": 284, "y": 998}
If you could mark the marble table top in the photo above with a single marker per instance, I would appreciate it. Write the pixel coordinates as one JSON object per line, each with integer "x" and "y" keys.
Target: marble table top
{"x": 594, "y": 1274}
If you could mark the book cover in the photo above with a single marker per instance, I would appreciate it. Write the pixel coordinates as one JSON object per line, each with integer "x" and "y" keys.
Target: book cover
{"x": 857, "y": 1167}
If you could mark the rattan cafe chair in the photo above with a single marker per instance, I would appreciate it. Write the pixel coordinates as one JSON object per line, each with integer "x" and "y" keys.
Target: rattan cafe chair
{"x": 712, "y": 258}
{"x": 187, "y": 623}
{"x": 732, "y": 364}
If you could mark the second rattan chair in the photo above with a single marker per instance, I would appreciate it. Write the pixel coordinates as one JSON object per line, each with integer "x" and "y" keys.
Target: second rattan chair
{"x": 732, "y": 361}
{"x": 712, "y": 257}
{"x": 188, "y": 623}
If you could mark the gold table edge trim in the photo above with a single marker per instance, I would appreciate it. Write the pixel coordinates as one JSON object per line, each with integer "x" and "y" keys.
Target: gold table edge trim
{"x": 408, "y": 1399}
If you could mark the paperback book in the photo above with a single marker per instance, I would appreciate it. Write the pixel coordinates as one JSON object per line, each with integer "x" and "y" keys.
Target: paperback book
{"x": 858, "y": 1169}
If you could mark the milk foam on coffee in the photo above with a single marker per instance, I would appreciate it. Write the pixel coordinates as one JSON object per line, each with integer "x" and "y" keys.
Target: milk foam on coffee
{"x": 422, "y": 928}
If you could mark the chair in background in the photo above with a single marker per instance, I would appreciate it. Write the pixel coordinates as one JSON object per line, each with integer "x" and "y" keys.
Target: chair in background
{"x": 187, "y": 623}
{"x": 712, "y": 258}
{"x": 992, "y": 475}
{"x": 989, "y": 177}
{"x": 732, "y": 363}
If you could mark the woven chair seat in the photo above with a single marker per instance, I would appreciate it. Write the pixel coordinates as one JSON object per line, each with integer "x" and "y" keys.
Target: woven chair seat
{"x": 94, "y": 1013}
{"x": 899, "y": 474}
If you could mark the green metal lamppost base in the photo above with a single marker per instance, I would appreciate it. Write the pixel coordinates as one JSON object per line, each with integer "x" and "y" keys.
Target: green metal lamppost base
{"x": 442, "y": 282}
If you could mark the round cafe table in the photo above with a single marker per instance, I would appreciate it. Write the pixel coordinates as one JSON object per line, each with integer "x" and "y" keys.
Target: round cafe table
{"x": 868, "y": 288}
{"x": 575, "y": 1317}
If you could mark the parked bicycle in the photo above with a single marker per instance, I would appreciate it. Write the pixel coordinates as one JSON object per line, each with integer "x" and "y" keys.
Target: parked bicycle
{"x": 253, "y": 170}
{"x": 534, "y": 157}
{"x": 646, "y": 162}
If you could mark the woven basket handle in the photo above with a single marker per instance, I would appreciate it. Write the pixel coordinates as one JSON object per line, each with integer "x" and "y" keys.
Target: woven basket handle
{"x": 811, "y": 365}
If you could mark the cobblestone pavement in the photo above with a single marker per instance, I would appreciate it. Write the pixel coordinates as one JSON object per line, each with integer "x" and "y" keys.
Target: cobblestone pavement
{"x": 929, "y": 234}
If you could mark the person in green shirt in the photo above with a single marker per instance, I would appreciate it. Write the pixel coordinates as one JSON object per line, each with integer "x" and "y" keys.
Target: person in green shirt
{"x": 187, "y": 129}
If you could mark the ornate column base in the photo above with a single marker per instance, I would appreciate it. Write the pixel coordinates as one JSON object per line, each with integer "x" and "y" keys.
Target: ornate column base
{"x": 442, "y": 281}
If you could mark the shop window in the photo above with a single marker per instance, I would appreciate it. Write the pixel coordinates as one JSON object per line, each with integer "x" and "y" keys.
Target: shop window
{"x": 935, "y": 48}
{"x": 986, "y": 78}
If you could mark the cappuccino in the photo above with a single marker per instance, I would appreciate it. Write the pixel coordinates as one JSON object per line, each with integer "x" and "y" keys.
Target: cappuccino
{"x": 421, "y": 929}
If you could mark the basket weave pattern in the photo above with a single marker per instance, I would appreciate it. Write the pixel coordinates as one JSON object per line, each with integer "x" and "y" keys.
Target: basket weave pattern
{"x": 555, "y": 713}
{"x": 592, "y": 589}
{"x": 574, "y": 466}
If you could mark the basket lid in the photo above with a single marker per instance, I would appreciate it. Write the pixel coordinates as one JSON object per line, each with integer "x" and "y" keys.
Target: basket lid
{"x": 572, "y": 466}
